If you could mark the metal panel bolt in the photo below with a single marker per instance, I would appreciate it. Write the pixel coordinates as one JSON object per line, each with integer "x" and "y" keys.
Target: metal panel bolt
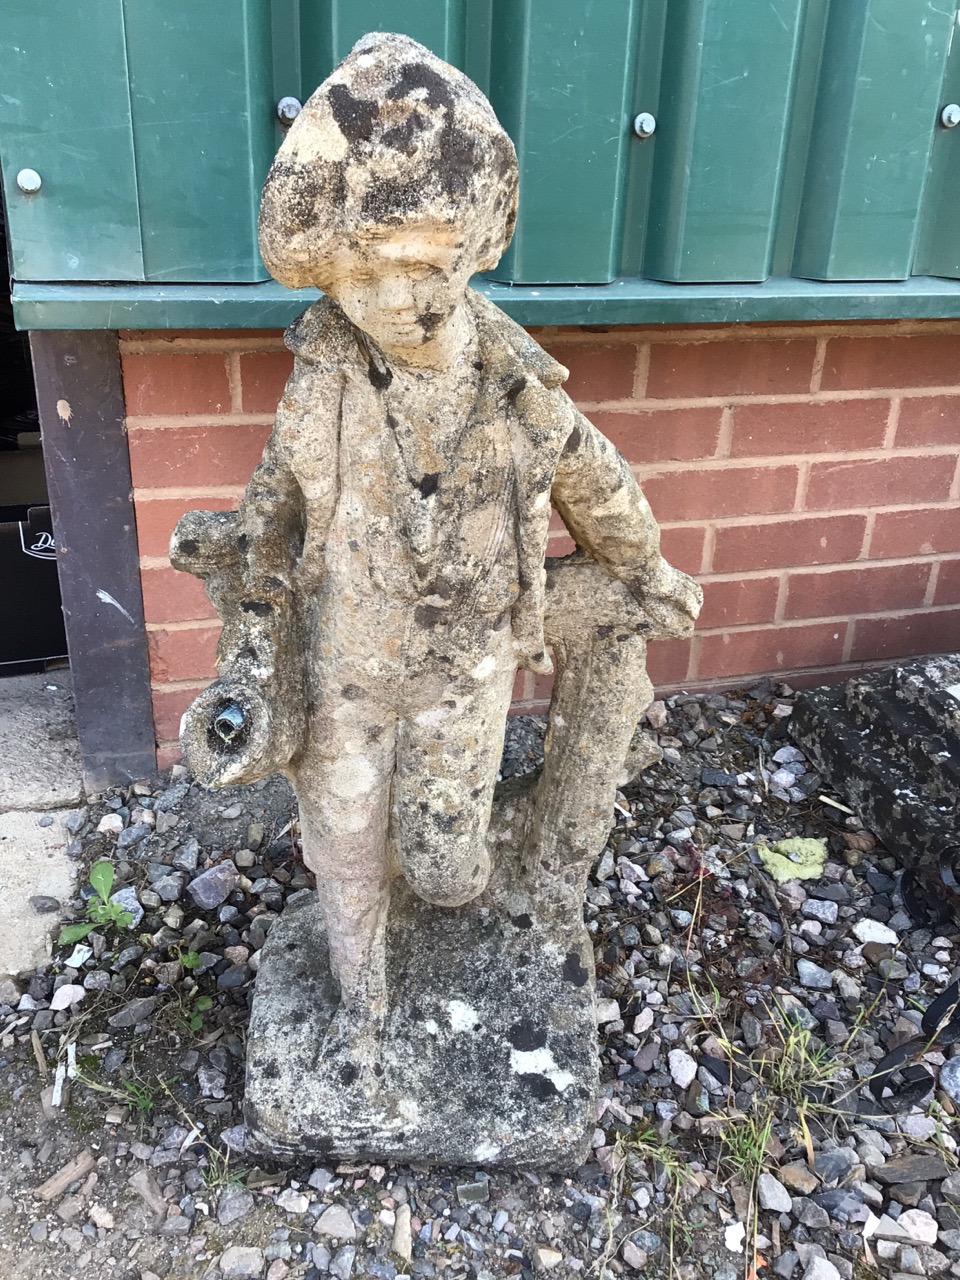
{"x": 644, "y": 125}
{"x": 29, "y": 181}
{"x": 950, "y": 115}
{"x": 287, "y": 111}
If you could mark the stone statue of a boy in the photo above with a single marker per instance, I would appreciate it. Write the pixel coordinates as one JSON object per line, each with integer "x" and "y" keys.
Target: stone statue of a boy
{"x": 390, "y": 546}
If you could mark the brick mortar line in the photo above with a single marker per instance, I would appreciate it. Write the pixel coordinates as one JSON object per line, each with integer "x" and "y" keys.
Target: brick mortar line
{"x": 701, "y": 522}
{"x": 177, "y": 686}
{"x": 767, "y": 461}
{"x": 709, "y": 577}
{"x": 693, "y": 658}
{"x": 893, "y": 421}
{"x": 780, "y": 604}
{"x": 233, "y": 382}
{"x": 210, "y": 491}
{"x": 794, "y": 624}
{"x": 803, "y": 484}
{"x": 739, "y": 398}
{"x": 819, "y": 360}
{"x": 725, "y": 433}
{"x": 931, "y": 591}
{"x": 170, "y": 422}
{"x": 782, "y": 517}
{"x": 200, "y": 346}
{"x": 185, "y": 624}
{"x": 849, "y": 640}
{"x": 868, "y": 528}
{"x": 733, "y": 628}
{"x": 641, "y": 371}
{"x": 733, "y": 331}
{"x": 709, "y": 546}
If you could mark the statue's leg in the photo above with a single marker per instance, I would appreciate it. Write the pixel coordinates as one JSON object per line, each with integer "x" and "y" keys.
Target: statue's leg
{"x": 448, "y": 757}
{"x": 343, "y": 783}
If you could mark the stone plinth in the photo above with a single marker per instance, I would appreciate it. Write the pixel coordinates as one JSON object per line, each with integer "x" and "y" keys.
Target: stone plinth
{"x": 489, "y": 1054}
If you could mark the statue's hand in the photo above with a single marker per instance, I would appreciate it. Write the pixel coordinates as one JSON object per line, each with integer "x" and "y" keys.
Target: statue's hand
{"x": 671, "y": 600}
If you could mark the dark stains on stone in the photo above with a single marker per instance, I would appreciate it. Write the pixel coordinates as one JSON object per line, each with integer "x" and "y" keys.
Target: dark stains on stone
{"x": 402, "y": 136}
{"x": 380, "y": 379}
{"x": 526, "y": 1036}
{"x": 522, "y": 921}
{"x": 189, "y": 546}
{"x": 355, "y": 117}
{"x": 541, "y": 1087}
{"x": 301, "y": 191}
{"x": 260, "y": 608}
{"x": 573, "y": 441}
{"x": 418, "y": 75}
{"x": 353, "y": 692}
{"x": 428, "y": 485}
{"x": 428, "y": 615}
{"x": 573, "y": 969}
{"x": 513, "y": 391}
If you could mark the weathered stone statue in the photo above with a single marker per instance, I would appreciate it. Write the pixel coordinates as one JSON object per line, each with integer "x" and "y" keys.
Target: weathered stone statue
{"x": 379, "y": 587}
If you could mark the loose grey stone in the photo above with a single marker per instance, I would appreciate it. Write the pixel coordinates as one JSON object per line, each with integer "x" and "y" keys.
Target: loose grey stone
{"x": 473, "y": 1192}
{"x": 772, "y": 1194}
{"x": 915, "y": 1167}
{"x": 127, "y": 899}
{"x": 868, "y": 930}
{"x": 241, "y": 1263}
{"x": 683, "y": 1068}
{"x": 833, "y": 1166}
{"x": 133, "y": 835}
{"x": 187, "y": 857}
{"x": 214, "y": 886}
{"x": 44, "y": 905}
{"x": 811, "y": 975}
{"x": 949, "y": 1079}
{"x": 336, "y": 1221}
{"x": 914, "y": 1226}
{"x": 134, "y": 1013}
{"x": 234, "y": 1203}
{"x": 821, "y": 909}
{"x": 341, "y": 1266}
{"x": 821, "y": 1269}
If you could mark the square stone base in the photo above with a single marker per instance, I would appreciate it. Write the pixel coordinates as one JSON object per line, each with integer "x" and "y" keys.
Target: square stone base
{"x": 490, "y": 1053}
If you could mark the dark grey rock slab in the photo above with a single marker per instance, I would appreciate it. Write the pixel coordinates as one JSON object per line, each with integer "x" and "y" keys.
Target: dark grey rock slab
{"x": 889, "y": 742}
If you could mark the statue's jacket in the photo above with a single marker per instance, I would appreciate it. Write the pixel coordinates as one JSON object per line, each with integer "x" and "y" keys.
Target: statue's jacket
{"x": 559, "y": 459}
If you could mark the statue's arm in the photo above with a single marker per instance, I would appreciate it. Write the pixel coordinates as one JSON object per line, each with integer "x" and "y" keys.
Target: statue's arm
{"x": 285, "y": 513}
{"x": 601, "y": 503}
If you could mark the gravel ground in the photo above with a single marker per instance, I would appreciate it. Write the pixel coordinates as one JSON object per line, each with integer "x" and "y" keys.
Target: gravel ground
{"x": 740, "y": 1023}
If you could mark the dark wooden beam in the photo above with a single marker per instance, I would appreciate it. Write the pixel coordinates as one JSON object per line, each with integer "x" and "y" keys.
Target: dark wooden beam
{"x": 80, "y": 398}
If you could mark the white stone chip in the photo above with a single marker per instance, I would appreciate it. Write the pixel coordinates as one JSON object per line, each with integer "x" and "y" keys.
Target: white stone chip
{"x": 683, "y": 1067}
{"x": 873, "y": 931}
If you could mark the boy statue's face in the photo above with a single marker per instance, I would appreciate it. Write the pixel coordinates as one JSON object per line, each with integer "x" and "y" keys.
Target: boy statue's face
{"x": 400, "y": 284}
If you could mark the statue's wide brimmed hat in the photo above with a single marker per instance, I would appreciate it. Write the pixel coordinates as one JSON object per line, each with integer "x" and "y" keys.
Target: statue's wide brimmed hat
{"x": 393, "y": 135}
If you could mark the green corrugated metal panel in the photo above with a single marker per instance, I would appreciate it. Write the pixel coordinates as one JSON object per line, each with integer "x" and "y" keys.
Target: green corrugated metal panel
{"x": 875, "y": 122}
{"x": 727, "y": 90}
{"x": 793, "y": 136}
{"x": 561, "y": 81}
{"x": 65, "y": 112}
{"x": 938, "y": 252}
{"x": 203, "y": 108}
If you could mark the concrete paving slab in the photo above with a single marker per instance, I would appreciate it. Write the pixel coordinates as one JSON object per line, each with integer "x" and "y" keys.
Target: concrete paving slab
{"x": 39, "y": 753}
{"x": 35, "y": 872}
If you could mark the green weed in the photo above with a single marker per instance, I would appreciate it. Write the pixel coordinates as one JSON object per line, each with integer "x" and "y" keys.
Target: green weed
{"x": 101, "y": 911}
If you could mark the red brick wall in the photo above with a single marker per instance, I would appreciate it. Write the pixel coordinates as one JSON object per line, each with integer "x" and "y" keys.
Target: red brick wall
{"x": 807, "y": 474}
